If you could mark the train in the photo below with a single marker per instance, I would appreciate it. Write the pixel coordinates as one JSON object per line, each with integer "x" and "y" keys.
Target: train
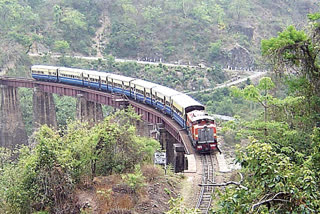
{"x": 187, "y": 112}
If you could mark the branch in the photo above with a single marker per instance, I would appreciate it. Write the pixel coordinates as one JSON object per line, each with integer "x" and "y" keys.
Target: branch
{"x": 269, "y": 200}
{"x": 228, "y": 183}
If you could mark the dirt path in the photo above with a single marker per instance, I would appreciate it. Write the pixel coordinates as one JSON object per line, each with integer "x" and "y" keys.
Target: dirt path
{"x": 100, "y": 35}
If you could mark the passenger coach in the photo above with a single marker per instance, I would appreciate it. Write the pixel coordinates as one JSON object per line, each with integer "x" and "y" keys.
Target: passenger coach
{"x": 166, "y": 100}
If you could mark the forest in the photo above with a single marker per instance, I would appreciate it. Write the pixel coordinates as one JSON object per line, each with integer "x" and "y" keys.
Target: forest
{"x": 276, "y": 131}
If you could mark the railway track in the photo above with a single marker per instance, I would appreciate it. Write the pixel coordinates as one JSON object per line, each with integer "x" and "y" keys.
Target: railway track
{"x": 204, "y": 200}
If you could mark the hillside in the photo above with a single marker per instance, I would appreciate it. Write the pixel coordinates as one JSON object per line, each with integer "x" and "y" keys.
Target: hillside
{"x": 183, "y": 31}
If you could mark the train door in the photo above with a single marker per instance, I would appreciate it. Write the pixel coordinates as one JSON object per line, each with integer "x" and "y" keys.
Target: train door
{"x": 130, "y": 88}
{"x": 151, "y": 96}
{"x": 156, "y": 99}
{"x": 135, "y": 92}
{"x": 112, "y": 86}
{"x": 171, "y": 107}
{"x": 107, "y": 80}
{"x": 185, "y": 118}
{"x": 57, "y": 70}
{"x": 82, "y": 79}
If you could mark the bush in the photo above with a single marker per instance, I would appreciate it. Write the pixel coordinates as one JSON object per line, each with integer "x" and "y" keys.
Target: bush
{"x": 151, "y": 172}
{"x": 135, "y": 180}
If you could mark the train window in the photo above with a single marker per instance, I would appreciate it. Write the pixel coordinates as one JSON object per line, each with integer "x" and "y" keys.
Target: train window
{"x": 175, "y": 109}
{"x": 118, "y": 85}
{"x": 148, "y": 94}
{"x": 167, "y": 103}
{"x": 160, "y": 99}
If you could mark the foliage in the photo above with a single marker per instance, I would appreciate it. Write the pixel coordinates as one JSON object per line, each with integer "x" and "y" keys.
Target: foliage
{"x": 272, "y": 174}
{"x": 281, "y": 165}
{"x": 177, "y": 207}
{"x": 25, "y": 98}
{"x": 61, "y": 46}
{"x": 44, "y": 177}
{"x": 135, "y": 180}
{"x": 296, "y": 52}
{"x": 65, "y": 109}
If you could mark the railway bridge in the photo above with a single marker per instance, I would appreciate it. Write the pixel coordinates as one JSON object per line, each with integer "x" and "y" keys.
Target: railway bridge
{"x": 172, "y": 137}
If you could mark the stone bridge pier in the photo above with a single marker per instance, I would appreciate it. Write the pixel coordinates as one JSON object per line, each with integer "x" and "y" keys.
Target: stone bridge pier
{"x": 44, "y": 111}
{"x": 175, "y": 152}
{"x": 88, "y": 111}
{"x": 12, "y": 129}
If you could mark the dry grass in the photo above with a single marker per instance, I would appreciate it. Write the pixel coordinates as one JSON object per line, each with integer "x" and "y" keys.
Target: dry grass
{"x": 151, "y": 172}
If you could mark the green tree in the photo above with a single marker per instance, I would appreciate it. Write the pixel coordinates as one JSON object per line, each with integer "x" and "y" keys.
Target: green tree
{"x": 61, "y": 46}
{"x": 239, "y": 8}
{"x": 57, "y": 14}
{"x": 281, "y": 168}
{"x": 258, "y": 94}
{"x": 45, "y": 174}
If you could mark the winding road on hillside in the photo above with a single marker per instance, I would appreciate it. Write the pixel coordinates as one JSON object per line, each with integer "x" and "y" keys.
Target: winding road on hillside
{"x": 255, "y": 75}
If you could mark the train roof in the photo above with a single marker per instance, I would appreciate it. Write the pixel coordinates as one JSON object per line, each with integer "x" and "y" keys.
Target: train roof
{"x": 97, "y": 73}
{"x": 144, "y": 83}
{"x": 187, "y": 102}
{"x": 71, "y": 69}
{"x": 120, "y": 77}
{"x": 166, "y": 91}
{"x": 44, "y": 67}
{"x": 199, "y": 115}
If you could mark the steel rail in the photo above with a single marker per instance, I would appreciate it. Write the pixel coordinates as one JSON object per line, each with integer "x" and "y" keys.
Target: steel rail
{"x": 205, "y": 198}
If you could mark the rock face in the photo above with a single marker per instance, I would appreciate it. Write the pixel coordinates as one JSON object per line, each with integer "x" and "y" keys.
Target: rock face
{"x": 12, "y": 129}
{"x": 44, "y": 111}
{"x": 239, "y": 57}
{"x": 243, "y": 28}
{"x": 88, "y": 111}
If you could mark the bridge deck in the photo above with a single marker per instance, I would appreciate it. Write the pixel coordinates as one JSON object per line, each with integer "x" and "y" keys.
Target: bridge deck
{"x": 148, "y": 114}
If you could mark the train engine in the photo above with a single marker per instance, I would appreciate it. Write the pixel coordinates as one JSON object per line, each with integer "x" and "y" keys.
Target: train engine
{"x": 202, "y": 131}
